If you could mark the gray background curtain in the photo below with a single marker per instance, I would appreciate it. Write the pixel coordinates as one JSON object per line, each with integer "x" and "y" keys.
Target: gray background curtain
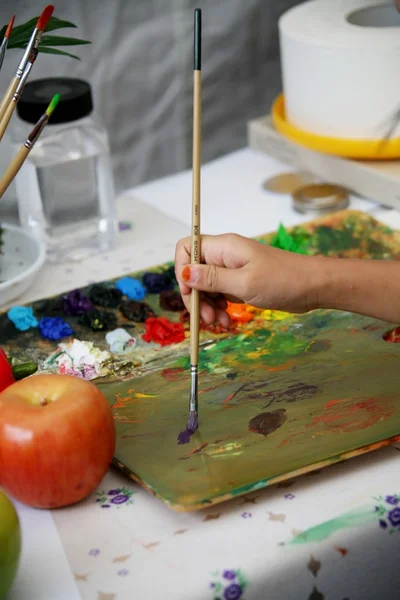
{"x": 140, "y": 67}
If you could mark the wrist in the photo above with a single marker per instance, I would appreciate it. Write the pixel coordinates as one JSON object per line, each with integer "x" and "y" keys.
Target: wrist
{"x": 325, "y": 289}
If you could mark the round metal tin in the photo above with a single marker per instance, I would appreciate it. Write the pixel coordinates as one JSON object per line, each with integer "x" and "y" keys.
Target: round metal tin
{"x": 287, "y": 183}
{"x": 320, "y": 198}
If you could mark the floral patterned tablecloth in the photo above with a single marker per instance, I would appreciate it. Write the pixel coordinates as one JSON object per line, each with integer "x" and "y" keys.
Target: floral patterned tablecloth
{"x": 332, "y": 535}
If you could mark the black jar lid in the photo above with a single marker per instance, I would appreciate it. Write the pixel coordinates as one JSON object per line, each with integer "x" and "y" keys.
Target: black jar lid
{"x": 75, "y": 102}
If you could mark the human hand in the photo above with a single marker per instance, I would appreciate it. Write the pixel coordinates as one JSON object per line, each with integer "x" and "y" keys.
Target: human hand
{"x": 239, "y": 269}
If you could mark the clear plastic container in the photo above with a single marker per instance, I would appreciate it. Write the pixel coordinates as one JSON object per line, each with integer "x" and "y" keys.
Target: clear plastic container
{"x": 65, "y": 188}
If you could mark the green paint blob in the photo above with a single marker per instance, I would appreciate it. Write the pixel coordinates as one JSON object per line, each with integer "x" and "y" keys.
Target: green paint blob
{"x": 290, "y": 241}
{"x": 260, "y": 347}
{"x": 354, "y": 518}
{"x": 284, "y": 346}
{"x": 328, "y": 238}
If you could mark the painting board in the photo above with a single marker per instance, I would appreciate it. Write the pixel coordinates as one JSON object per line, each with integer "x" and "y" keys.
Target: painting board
{"x": 279, "y": 394}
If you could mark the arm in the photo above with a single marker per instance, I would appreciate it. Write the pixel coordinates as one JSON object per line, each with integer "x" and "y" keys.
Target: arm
{"x": 238, "y": 269}
{"x": 367, "y": 287}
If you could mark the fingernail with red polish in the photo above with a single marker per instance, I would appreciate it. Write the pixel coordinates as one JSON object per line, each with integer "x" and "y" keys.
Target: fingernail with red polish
{"x": 185, "y": 274}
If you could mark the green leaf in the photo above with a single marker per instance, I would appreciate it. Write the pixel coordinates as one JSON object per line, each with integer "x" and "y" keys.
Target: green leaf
{"x": 21, "y": 34}
{"x": 27, "y": 28}
{"x": 55, "y": 23}
{"x": 58, "y": 40}
{"x": 46, "y": 50}
{"x": 24, "y": 29}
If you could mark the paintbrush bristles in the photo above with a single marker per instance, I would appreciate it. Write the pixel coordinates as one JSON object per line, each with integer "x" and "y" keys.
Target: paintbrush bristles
{"x": 193, "y": 421}
{"x": 9, "y": 27}
{"x": 44, "y": 17}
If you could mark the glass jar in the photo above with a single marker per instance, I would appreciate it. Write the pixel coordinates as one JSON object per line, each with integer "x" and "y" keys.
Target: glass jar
{"x": 65, "y": 188}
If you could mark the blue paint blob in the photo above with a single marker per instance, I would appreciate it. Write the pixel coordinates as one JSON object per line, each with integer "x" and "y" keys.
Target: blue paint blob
{"x": 54, "y": 328}
{"x": 131, "y": 288}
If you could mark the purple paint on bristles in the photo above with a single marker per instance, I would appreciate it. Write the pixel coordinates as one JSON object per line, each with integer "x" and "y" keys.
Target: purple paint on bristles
{"x": 193, "y": 421}
{"x": 184, "y": 436}
{"x": 192, "y": 425}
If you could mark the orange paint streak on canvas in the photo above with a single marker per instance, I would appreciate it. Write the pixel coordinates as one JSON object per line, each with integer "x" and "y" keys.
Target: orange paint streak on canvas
{"x": 228, "y": 398}
{"x": 172, "y": 374}
{"x": 346, "y": 416}
{"x": 284, "y": 367}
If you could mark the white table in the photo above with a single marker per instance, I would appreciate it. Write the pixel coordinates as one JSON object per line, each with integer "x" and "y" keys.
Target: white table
{"x": 140, "y": 549}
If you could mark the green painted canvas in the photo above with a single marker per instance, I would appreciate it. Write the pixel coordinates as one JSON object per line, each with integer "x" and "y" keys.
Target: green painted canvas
{"x": 279, "y": 395}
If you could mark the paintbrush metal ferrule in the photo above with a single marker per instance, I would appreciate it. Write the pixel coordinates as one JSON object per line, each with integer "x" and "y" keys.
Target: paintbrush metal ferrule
{"x": 32, "y": 45}
{"x": 193, "y": 403}
{"x": 25, "y": 75}
{"x": 4, "y": 43}
{"x": 3, "y": 49}
{"x": 36, "y": 131}
{"x": 42, "y": 122}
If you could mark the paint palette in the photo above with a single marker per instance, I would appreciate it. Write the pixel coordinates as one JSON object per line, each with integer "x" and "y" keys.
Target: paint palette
{"x": 279, "y": 395}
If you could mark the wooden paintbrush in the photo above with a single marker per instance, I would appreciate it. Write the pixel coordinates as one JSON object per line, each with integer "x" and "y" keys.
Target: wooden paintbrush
{"x": 4, "y": 43}
{"x": 195, "y": 250}
{"x": 20, "y": 88}
{"x": 32, "y": 45}
{"x": 23, "y": 152}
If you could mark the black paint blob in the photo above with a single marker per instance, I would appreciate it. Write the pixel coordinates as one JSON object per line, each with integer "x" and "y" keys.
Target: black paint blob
{"x": 171, "y": 300}
{"x": 106, "y": 297}
{"x": 136, "y": 311}
{"x": 98, "y": 320}
{"x": 268, "y": 422}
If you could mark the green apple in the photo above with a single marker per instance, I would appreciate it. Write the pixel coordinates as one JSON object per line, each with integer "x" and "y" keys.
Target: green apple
{"x": 10, "y": 544}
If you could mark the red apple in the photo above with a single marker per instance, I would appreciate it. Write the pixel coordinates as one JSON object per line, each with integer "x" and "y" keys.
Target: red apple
{"x": 57, "y": 439}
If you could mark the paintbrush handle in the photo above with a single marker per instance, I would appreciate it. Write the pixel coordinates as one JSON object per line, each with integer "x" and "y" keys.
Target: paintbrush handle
{"x": 13, "y": 169}
{"x": 196, "y": 241}
{"x": 6, "y": 119}
{"x": 8, "y": 96}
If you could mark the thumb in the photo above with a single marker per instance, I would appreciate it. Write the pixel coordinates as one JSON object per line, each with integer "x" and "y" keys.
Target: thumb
{"x": 212, "y": 279}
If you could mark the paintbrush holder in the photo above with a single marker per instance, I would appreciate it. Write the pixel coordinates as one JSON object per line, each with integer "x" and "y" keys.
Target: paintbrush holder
{"x": 65, "y": 188}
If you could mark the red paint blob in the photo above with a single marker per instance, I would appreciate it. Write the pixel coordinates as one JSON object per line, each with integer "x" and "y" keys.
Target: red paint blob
{"x": 392, "y": 336}
{"x": 163, "y": 332}
{"x": 6, "y": 374}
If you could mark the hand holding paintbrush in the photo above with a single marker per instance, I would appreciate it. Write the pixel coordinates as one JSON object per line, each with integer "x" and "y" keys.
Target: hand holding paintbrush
{"x": 196, "y": 241}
